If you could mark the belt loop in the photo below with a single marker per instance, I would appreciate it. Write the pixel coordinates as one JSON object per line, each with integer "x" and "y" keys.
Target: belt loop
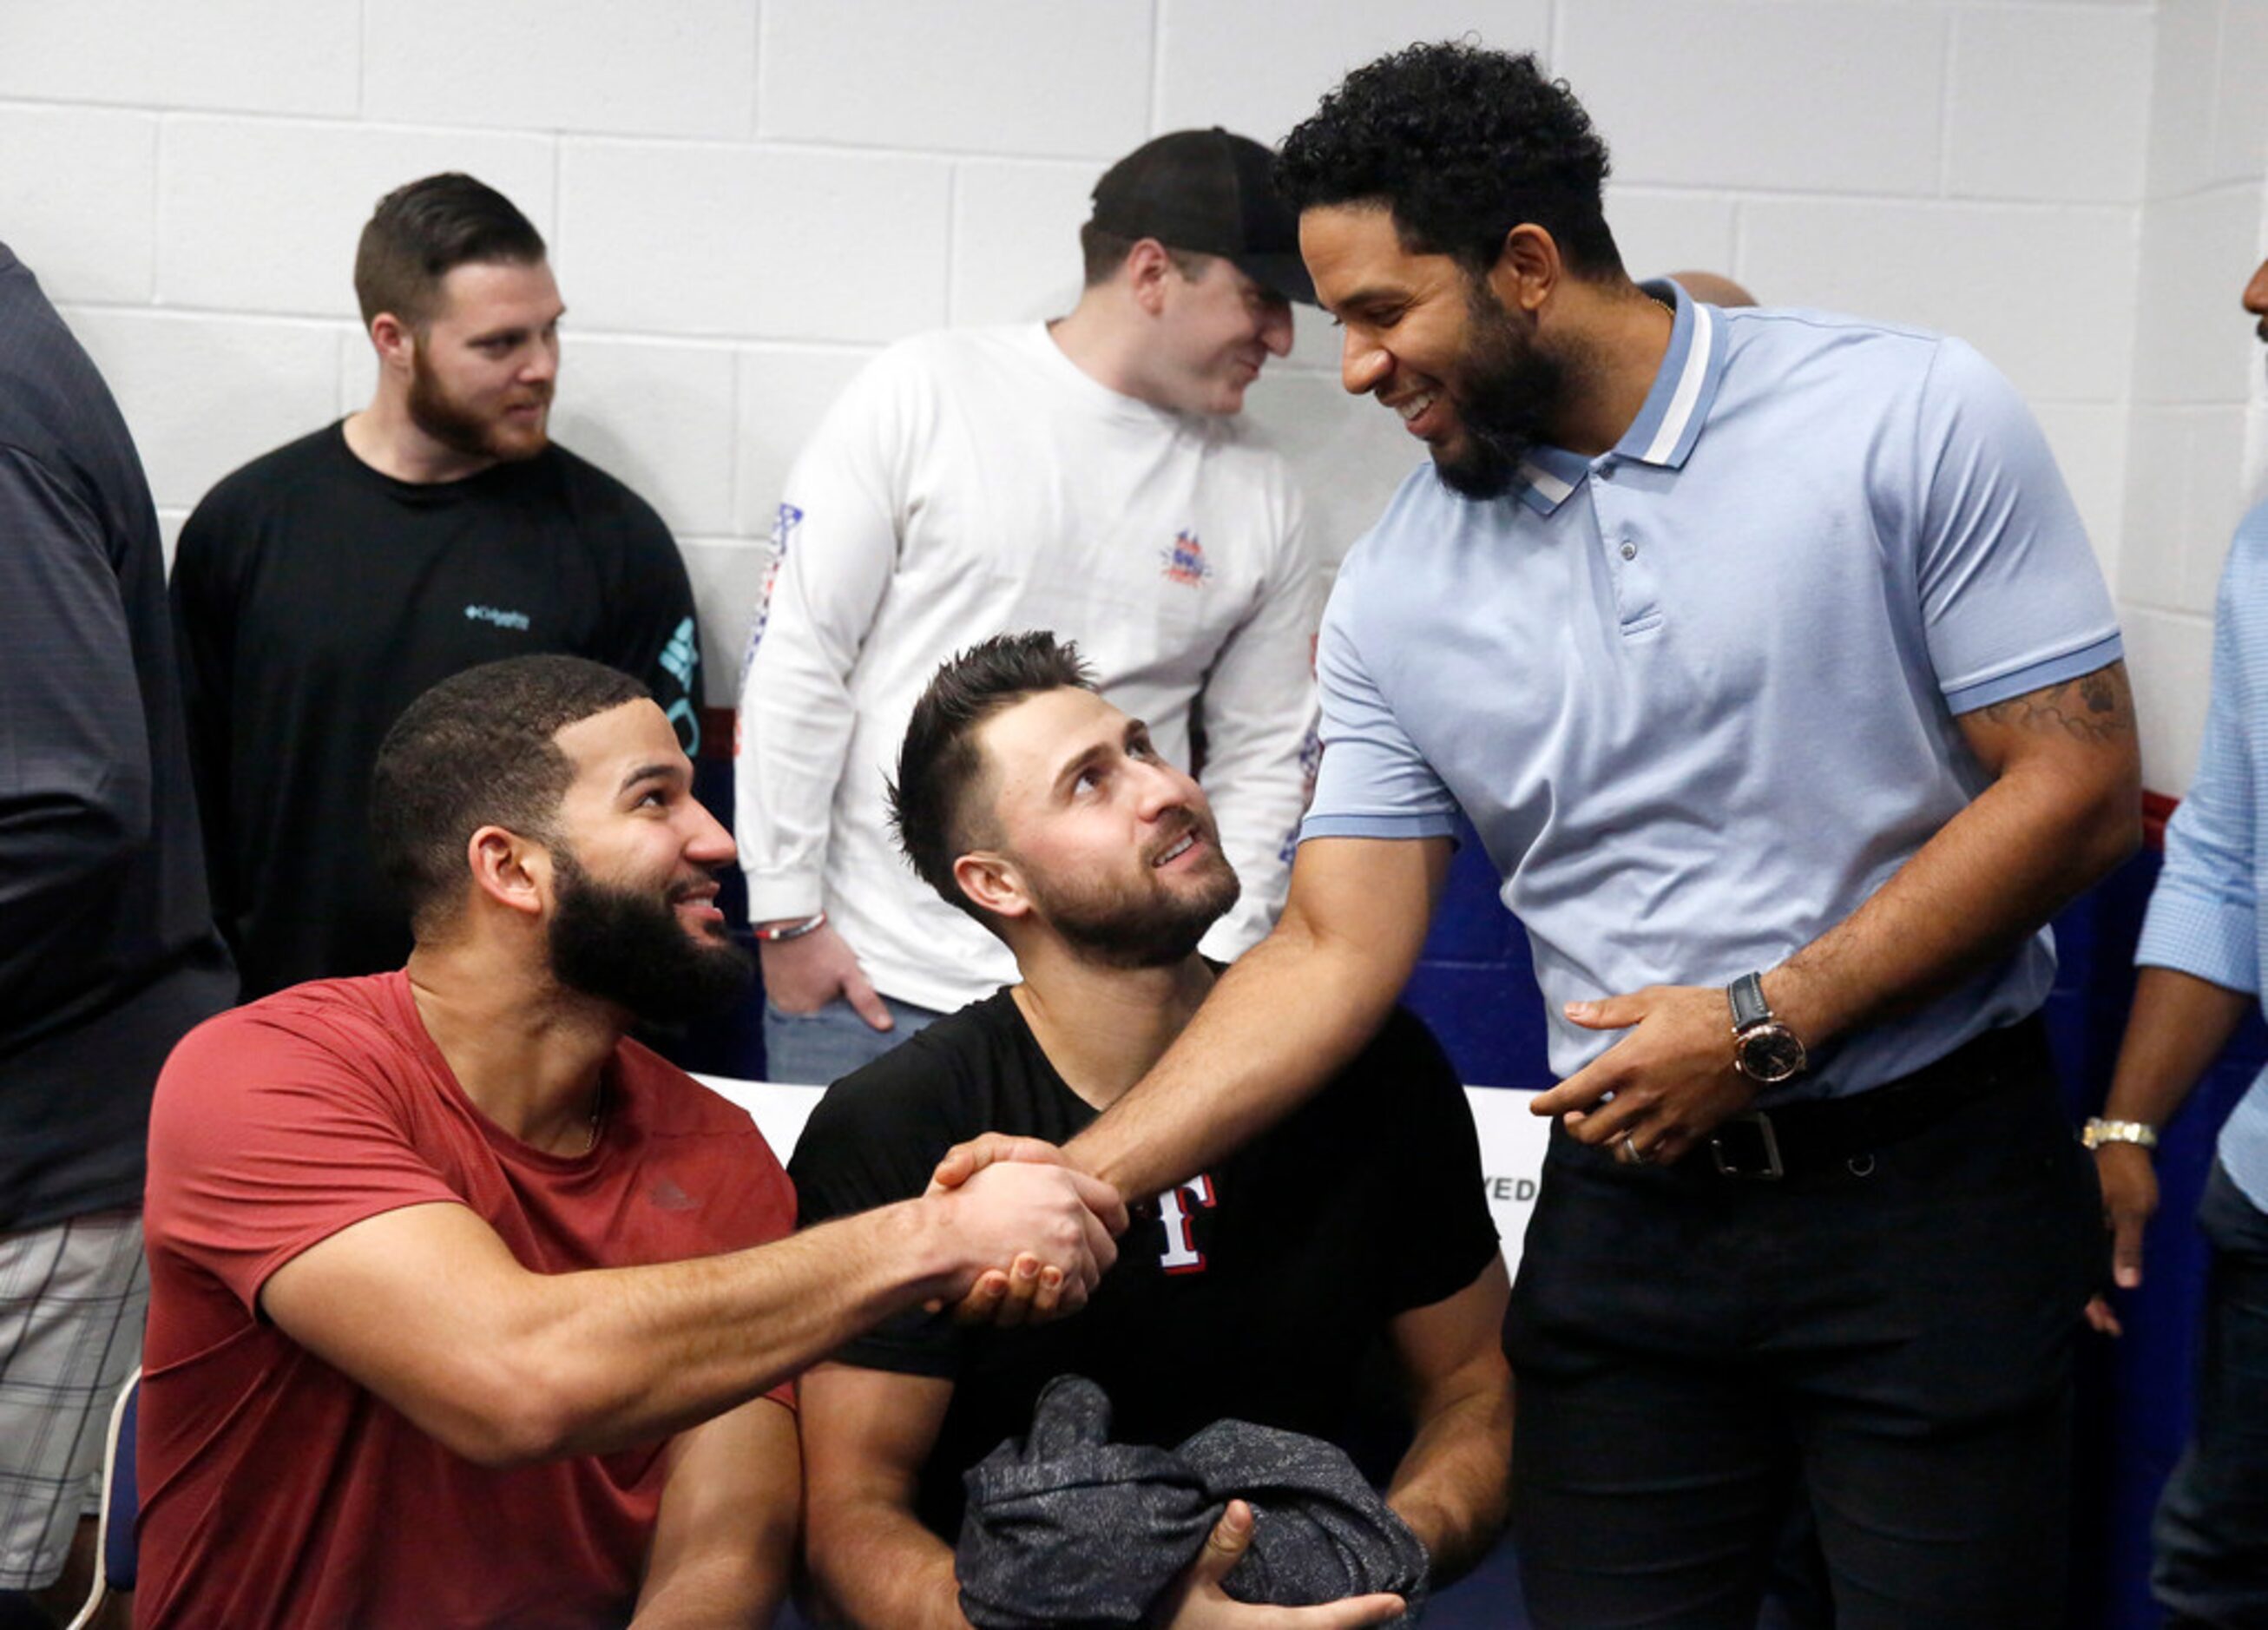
{"x": 1766, "y": 1167}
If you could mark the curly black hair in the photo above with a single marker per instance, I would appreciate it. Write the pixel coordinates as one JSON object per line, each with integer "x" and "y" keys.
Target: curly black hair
{"x": 1462, "y": 145}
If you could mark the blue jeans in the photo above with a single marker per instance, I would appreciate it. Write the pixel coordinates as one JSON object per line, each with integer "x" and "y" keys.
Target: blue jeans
{"x": 816, "y": 1049}
{"x": 2212, "y": 1520}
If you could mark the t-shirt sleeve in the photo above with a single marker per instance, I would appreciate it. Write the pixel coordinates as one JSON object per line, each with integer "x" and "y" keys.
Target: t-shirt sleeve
{"x": 1259, "y": 709}
{"x": 833, "y": 553}
{"x": 200, "y": 592}
{"x": 2012, "y": 599}
{"x": 1372, "y": 782}
{"x": 653, "y": 633}
{"x": 264, "y": 1141}
{"x": 1446, "y": 1234}
{"x": 74, "y": 772}
{"x": 872, "y": 1140}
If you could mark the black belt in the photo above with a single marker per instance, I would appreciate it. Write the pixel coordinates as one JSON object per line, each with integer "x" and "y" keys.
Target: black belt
{"x": 1766, "y": 1145}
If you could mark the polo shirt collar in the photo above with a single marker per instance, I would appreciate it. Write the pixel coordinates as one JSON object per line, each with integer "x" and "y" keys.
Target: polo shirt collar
{"x": 1670, "y": 421}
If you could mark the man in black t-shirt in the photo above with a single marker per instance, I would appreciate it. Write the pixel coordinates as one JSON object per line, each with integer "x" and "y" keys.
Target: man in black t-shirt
{"x": 321, "y": 588}
{"x": 1256, "y": 1291}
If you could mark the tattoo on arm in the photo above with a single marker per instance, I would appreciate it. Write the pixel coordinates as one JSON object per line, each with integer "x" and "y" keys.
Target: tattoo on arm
{"x": 2093, "y": 707}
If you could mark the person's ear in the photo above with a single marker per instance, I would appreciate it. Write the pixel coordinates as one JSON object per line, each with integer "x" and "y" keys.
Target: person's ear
{"x": 1149, "y": 268}
{"x": 1528, "y": 268}
{"x": 394, "y": 341}
{"x": 991, "y": 883}
{"x": 511, "y": 870}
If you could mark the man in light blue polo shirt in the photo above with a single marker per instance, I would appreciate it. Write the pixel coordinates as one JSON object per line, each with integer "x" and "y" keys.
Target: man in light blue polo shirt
{"x": 2203, "y": 946}
{"x": 1753, "y": 643}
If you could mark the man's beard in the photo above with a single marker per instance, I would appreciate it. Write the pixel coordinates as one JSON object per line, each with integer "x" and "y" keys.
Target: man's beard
{"x": 1510, "y": 391}
{"x": 627, "y": 947}
{"x": 1117, "y": 925}
{"x": 461, "y": 428}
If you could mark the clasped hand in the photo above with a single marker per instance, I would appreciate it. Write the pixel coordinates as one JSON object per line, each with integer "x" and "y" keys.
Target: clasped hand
{"x": 1662, "y": 1088}
{"x": 1026, "y": 1290}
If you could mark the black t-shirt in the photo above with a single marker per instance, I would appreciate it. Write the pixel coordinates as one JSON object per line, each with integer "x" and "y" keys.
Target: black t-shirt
{"x": 1255, "y": 1293}
{"x": 314, "y": 599}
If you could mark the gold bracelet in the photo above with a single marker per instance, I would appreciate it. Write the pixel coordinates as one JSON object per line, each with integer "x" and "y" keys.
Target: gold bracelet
{"x": 2098, "y": 1131}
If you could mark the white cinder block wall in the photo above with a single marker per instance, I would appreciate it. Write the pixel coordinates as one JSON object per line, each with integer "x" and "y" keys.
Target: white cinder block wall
{"x": 746, "y": 197}
{"x": 2197, "y": 429}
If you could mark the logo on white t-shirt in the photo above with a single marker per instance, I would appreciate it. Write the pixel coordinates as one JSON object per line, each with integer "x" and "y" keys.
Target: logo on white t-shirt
{"x": 1185, "y": 560}
{"x": 784, "y": 522}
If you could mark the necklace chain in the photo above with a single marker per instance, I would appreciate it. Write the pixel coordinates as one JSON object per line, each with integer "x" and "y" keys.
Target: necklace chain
{"x": 597, "y": 1116}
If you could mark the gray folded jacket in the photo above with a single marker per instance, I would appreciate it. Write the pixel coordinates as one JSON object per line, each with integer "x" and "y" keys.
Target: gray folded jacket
{"x": 1067, "y": 1531}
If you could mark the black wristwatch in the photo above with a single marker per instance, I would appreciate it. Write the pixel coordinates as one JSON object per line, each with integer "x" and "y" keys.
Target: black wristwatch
{"x": 1763, "y": 1049}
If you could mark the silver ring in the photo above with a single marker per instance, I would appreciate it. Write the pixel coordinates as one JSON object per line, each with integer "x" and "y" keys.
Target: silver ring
{"x": 1631, "y": 1148}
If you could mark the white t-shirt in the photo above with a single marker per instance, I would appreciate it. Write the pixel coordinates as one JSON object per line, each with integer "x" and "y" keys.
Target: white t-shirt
{"x": 974, "y": 482}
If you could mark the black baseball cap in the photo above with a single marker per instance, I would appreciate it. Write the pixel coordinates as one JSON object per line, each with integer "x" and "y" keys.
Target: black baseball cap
{"x": 1208, "y": 192}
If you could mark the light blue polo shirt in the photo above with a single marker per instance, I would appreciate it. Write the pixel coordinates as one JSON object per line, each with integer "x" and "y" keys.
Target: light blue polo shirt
{"x": 2205, "y": 914}
{"x": 1698, "y": 694}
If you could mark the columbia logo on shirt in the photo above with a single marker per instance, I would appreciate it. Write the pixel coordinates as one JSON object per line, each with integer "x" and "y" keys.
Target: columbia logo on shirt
{"x": 501, "y": 618}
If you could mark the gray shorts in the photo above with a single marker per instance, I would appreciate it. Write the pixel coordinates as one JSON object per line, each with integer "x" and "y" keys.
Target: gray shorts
{"x": 72, "y": 1296}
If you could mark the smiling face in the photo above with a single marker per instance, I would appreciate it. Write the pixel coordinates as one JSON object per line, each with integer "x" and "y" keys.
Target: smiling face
{"x": 482, "y": 373}
{"x": 635, "y": 919}
{"x": 1099, "y": 839}
{"x": 1215, "y": 333}
{"x": 1465, "y": 375}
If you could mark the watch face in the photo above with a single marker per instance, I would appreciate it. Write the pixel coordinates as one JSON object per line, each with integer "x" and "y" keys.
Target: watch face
{"x": 1770, "y": 1053}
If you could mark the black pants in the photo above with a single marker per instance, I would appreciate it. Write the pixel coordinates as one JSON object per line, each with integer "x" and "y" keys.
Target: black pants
{"x": 2211, "y": 1530}
{"x": 1891, "y": 1332}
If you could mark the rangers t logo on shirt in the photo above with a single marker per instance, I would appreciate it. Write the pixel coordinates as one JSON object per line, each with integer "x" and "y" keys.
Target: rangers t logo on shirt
{"x": 1181, "y": 1254}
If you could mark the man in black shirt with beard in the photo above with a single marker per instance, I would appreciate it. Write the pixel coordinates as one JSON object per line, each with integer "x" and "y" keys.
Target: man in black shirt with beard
{"x": 1255, "y": 1291}
{"x": 320, "y": 588}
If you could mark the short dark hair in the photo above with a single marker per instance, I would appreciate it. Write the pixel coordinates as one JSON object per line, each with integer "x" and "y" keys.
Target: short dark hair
{"x": 1105, "y": 252}
{"x": 423, "y": 231}
{"x": 940, "y": 763}
{"x": 478, "y": 749}
{"x": 1460, "y": 144}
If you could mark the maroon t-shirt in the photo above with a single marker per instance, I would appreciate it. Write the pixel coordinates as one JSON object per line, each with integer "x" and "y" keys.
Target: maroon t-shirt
{"x": 276, "y": 1491}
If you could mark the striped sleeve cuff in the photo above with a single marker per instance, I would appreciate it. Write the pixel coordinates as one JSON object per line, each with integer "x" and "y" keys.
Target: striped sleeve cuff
{"x": 1968, "y": 697}
{"x": 2210, "y": 936}
{"x": 1435, "y": 823}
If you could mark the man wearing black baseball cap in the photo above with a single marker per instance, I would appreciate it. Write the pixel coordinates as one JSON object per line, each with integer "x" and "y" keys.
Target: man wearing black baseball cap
{"x": 1206, "y": 192}
{"x": 1085, "y": 474}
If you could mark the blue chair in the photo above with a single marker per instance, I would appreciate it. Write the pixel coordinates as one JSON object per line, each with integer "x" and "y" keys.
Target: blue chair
{"x": 122, "y": 1502}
